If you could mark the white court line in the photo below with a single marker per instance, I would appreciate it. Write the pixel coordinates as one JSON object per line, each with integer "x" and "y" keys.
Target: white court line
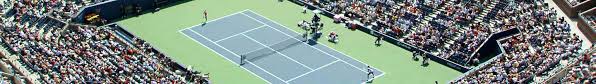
{"x": 277, "y": 51}
{"x": 372, "y": 78}
{"x": 223, "y": 56}
{"x": 320, "y": 44}
{"x": 261, "y": 22}
{"x": 299, "y": 33}
{"x": 313, "y": 70}
{"x": 214, "y": 20}
{"x": 238, "y": 55}
{"x": 266, "y": 71}
{"x": 239, "y": 33}
{"x": 307, "y": 44}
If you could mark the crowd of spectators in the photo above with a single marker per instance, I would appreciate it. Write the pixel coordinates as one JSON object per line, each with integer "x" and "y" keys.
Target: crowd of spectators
{"x": 503, "y": 17}
{"x": 504, "y": 69}
{"x": 544, "y": 40}
{"x": 86, "y": 54}
{"x": 59, "y": 9}
{"x": 451, "y": 34}
{"x": 463, "y": 11}
{"x": 36, "y": 30}
{"x": 584, "y": 71}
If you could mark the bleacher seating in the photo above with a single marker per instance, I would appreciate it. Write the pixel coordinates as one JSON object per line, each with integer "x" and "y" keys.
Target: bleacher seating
{"x": 412, "y": 17}
{"x": 530, "y": 54}
{"x": 39, "y": 37}
{"x": 457, "y": 28}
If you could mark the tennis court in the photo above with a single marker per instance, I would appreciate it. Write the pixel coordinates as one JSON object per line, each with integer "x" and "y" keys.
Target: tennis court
{"x": 275, "y": 53}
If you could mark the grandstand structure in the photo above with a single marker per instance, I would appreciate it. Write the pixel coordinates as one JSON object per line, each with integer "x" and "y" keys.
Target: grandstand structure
{"x": 587, "y": 24}
{"x": 449, "y": 32}
{"x": 490, "y": 41}
{"x": 41, "y": 44}
{"x": 526, "y": 47}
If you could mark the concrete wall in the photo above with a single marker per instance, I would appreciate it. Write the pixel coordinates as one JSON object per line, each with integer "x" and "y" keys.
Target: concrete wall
{"x": 572, "y": 11}
{"x": 583, "y": 26}
{"x": 491, "y": 46}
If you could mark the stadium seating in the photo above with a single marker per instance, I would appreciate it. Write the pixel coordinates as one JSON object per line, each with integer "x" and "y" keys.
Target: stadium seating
{"x": 458, "y": 27}
{"x": 533, "y": 52}
{"x": 428, "y": 25}
{"x": 582, "y": 71}
{"x": 42, "y": 45}
{"x": 55, "y": 51}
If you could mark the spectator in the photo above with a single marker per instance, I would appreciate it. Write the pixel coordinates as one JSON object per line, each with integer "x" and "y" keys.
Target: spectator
{"x": 61, "y": 53}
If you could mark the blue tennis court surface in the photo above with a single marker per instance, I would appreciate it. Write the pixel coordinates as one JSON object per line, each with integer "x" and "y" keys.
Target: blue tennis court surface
{"x": 297, "y": 63}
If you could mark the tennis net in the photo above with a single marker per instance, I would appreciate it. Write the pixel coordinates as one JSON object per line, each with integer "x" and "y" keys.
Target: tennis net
{"x": 270, "y": 49}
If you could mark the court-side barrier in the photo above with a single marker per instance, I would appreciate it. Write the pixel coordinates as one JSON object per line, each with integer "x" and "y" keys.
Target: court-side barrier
{"x": 115, "y": 9}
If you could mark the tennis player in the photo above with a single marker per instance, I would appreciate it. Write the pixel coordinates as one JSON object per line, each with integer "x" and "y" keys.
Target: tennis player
{"x": 305, "y": 26}
{"x": 205, "y": 15}
{"x": 370, "y": 74}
